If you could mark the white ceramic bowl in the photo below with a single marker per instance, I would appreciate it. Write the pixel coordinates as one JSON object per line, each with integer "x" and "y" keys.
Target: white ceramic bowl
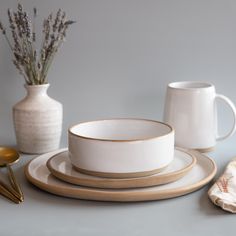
{"x": 121, "y": 147}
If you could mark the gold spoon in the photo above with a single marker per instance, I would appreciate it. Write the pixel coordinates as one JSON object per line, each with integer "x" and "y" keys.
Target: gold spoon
{"x": 9, "y": 156}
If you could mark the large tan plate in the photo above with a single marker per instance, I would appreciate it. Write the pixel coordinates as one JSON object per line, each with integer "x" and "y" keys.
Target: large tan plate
{"x": 38, "y": 174}
{"x": 60, "y": 166}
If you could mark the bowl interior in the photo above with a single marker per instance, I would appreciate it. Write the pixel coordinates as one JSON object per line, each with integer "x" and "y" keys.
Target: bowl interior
{"x": 121, "y": 129}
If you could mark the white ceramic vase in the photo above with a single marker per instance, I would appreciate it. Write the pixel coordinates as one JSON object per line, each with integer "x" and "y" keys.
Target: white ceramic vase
{"x": 37, "y": 121}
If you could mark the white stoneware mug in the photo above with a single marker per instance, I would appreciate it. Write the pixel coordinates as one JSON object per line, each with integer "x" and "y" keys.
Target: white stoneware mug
{"x": 190, "y": 107}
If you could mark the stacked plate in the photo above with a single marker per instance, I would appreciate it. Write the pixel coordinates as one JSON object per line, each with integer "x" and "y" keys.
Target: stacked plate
{"x": 121, "y": 160}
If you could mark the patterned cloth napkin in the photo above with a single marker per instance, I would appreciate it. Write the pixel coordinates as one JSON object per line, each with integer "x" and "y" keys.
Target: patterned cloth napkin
{"x": 223, "y": 192}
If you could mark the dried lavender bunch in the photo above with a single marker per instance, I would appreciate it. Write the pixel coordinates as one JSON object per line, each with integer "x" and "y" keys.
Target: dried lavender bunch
{"x": 34, "y": 64}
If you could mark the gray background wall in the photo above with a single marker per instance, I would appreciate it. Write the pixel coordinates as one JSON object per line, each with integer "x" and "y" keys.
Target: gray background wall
{"x": 121, "y": 54}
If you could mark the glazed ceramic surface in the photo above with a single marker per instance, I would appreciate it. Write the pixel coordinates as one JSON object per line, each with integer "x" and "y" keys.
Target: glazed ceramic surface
{"x": 37, "y": 121}
{"x": 190, "y": 109}
{"x": 121, "y": 147}
{"x": 60, "y": 166}
{"x": 202, "y": 173}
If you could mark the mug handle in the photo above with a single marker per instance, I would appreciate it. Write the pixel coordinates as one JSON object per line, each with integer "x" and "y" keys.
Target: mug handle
{"x": 231, "y": 105}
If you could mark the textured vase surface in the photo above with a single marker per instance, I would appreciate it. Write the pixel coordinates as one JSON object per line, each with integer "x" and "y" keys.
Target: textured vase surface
{"x": 37, "y": 121}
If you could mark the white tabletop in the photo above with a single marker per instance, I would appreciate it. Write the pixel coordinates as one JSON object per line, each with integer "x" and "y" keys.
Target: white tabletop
{"x": 46, "y": 214}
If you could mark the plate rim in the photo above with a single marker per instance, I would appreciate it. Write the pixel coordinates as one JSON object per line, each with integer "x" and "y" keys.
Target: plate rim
{"x": 87, "y": 193}
{"x": 118, "y": 183}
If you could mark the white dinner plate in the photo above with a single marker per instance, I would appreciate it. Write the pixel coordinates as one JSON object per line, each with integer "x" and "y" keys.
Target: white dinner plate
{"x": 201, "y": 174}
{"x": 60, "y": 166}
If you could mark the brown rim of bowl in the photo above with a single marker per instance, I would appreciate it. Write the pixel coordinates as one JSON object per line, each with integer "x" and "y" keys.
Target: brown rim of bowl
{"x": 125, "y": 140}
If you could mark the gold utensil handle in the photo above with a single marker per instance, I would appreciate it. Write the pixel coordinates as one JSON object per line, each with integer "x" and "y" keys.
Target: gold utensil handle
{"x": 11, "y": 190}
{"x": 14, "y": 183}
{"x": 8, "y": 195}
